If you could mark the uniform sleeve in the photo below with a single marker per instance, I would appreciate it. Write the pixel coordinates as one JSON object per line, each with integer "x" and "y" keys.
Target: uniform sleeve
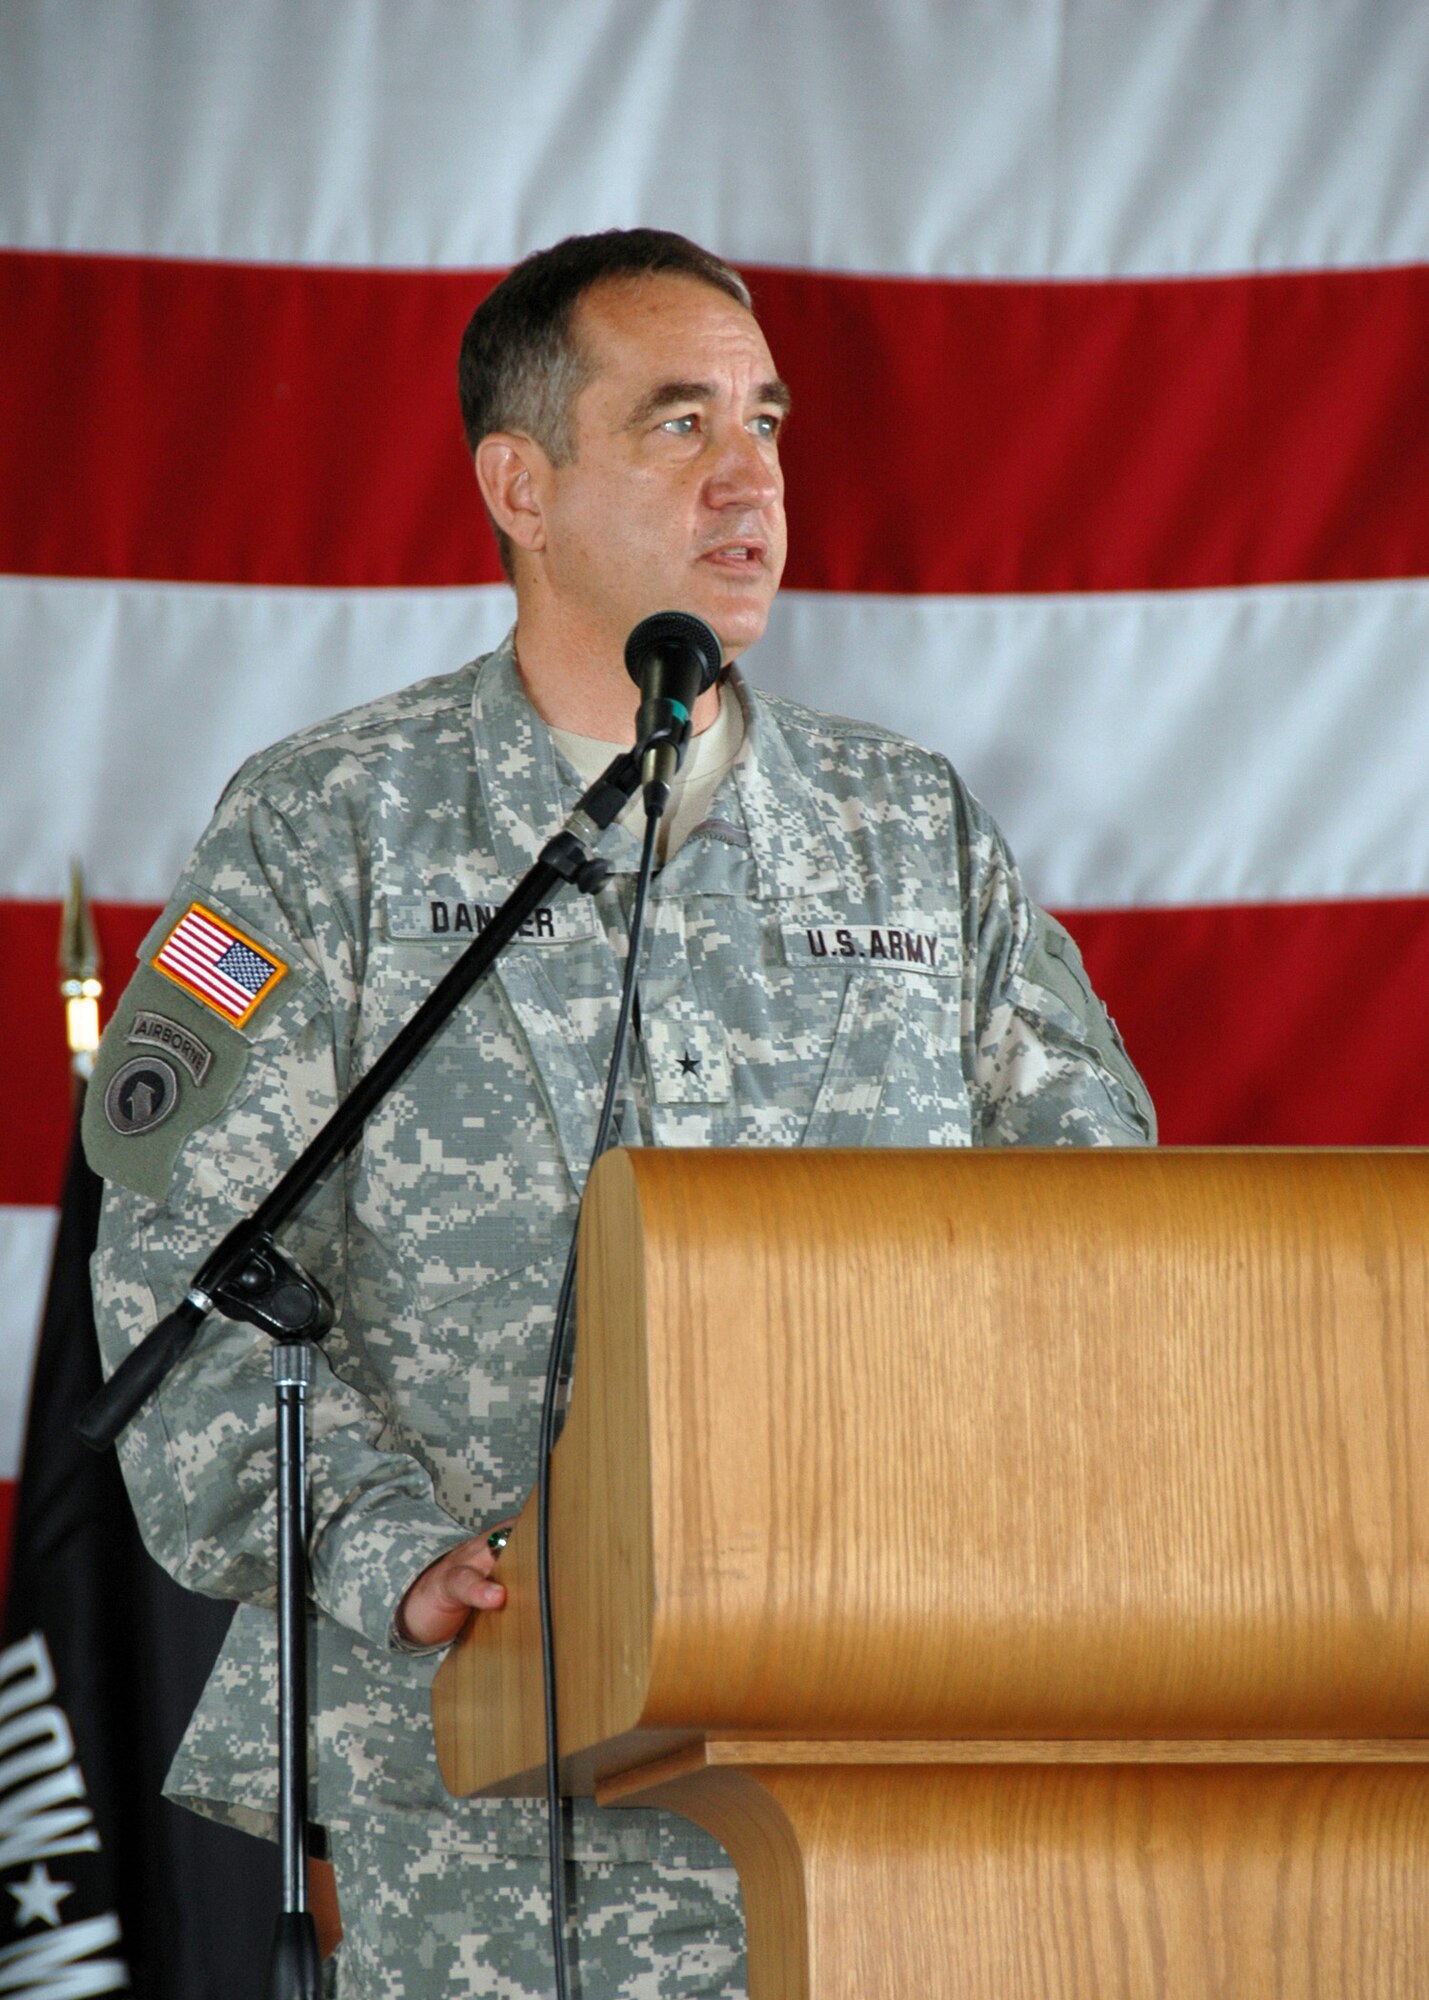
{"x": 1048, "y": 1066}
{"x": 225, "y": 1054}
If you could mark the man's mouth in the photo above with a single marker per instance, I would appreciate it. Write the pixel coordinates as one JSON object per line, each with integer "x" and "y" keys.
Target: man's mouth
{"x": 736, "y": 555}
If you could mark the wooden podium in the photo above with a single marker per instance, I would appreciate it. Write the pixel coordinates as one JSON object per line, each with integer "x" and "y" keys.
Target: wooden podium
{"x": 1019, "y": 1561}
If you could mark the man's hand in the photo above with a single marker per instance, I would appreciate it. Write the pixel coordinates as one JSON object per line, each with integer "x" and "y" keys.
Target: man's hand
{"x": 439, "y": 1603}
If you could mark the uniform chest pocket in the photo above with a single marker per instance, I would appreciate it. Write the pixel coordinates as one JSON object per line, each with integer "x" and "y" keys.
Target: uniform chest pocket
{"x": 895, "y": 1073}
{"x": 462, "y": 1177}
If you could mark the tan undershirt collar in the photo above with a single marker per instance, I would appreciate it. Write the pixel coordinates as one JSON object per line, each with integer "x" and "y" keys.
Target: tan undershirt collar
{"x": 708, "y": 758}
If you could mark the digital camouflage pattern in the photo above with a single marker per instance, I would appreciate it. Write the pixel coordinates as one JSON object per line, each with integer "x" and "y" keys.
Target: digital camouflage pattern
{"x": 843, "y": 955}
{"x": 431, "y": 1915}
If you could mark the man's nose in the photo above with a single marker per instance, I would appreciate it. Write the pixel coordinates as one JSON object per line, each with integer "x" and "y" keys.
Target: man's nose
{"x": 743, "y": 474}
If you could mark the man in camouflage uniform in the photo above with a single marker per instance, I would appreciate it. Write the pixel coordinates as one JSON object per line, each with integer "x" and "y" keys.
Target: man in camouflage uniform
{"x": 840, "y": 953}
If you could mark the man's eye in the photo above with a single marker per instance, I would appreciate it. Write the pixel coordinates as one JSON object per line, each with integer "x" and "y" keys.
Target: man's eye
{"x": 766, "y": 425}
{"x": 679, "y": 426}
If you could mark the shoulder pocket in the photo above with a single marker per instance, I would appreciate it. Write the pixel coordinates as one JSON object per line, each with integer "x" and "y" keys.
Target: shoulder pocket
{"x": 163, "y": 1070}
{"x": 1055, "y": 965}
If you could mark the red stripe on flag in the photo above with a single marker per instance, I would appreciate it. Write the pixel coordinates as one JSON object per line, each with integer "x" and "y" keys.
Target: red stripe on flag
{"x": 35, "y": 1137}
{"x": 1116, "y": 436}
{"x": 297, "y": 425}
{"x": 1290, "y": 1024}
{"x": 1264, "y": 1024}
{"x": 230, "y": 423}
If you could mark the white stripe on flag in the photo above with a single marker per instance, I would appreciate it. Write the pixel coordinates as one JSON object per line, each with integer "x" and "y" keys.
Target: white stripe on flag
{"x": 111, "y": 689}
{"x": 1207, "y": 746}
{"x": 27, "y": 1238}
{"x": 1056, "y": 138}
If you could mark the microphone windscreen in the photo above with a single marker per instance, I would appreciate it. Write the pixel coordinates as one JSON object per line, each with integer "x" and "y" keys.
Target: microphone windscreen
{"x": 674, "y": 632}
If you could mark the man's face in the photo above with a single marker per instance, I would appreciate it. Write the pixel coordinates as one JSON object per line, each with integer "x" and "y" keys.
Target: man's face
{"x": 674, "y": 499}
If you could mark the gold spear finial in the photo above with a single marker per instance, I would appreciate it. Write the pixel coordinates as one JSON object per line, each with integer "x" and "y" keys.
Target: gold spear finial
{"x": 80, "y": 985}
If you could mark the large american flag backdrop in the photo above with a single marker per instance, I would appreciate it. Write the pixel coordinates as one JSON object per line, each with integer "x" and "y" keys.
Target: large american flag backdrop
{"x": 1108, "y": 329}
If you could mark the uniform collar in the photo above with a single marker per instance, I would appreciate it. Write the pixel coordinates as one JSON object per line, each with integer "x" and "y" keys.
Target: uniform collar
{"x": 788, "y": 837}
{"x": 526, "y": 797}
{"x": 515, "y": 764}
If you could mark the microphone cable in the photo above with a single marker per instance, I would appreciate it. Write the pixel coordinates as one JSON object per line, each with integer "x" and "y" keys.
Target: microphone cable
{"x": 557, "y": 1377}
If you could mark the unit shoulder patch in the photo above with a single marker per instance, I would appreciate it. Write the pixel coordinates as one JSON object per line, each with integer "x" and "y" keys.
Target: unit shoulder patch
{"x": 141, "y": 1094}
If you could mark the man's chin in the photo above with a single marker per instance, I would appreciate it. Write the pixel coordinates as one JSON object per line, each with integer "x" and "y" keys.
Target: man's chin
{"x": 738, "y": 625}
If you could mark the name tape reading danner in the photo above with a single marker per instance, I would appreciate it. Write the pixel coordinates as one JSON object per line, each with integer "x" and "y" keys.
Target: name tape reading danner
{"x": 894, "y": 946}
{"x": 450, "y": 918}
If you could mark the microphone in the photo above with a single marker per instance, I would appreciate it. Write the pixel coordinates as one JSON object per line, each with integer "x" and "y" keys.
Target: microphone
{"x": 672, "y": 657}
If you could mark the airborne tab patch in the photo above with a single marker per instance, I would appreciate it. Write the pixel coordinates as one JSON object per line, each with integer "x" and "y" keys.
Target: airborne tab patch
{"x": 196, "y": 1056}
{"x": 218, "y": 964}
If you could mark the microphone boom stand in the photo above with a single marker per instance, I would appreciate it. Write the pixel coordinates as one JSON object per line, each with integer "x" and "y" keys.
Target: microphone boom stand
{"x": 247, "y": 1277}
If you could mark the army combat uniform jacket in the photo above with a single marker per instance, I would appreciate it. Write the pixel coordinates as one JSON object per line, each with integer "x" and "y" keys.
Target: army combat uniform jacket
{"x": 843, "y": 955}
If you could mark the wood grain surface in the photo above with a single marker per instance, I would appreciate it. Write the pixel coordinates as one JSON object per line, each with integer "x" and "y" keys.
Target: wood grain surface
{"x": 1076, "y": 1883}
{"x": 942, "y": 1445}
{"x": 1017, "y": 1560}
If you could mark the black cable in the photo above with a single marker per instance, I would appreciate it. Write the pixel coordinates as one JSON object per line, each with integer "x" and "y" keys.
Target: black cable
{"x": 556, "y": 1375}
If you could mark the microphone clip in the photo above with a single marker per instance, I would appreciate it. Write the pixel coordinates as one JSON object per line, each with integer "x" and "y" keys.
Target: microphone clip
{"x": 271, "y": 1290}
{"x": 664, "y": 726}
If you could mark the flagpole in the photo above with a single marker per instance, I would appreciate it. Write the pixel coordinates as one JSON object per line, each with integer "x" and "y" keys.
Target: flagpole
{"x": 80, "y": 985}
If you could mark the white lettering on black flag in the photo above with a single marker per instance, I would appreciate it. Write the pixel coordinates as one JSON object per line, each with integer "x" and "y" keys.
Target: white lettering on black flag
{"x": 46, "y": 1828}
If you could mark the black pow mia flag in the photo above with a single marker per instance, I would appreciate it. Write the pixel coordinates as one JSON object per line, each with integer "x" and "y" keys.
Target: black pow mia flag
{"x": 104, "y": 1886}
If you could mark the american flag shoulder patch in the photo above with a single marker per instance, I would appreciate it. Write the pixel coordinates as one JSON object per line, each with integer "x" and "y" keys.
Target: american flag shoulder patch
{"x": 218, "y": 964}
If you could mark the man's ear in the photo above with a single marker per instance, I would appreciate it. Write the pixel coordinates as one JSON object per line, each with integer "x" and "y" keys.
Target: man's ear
{"x": 510, "y": 471}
